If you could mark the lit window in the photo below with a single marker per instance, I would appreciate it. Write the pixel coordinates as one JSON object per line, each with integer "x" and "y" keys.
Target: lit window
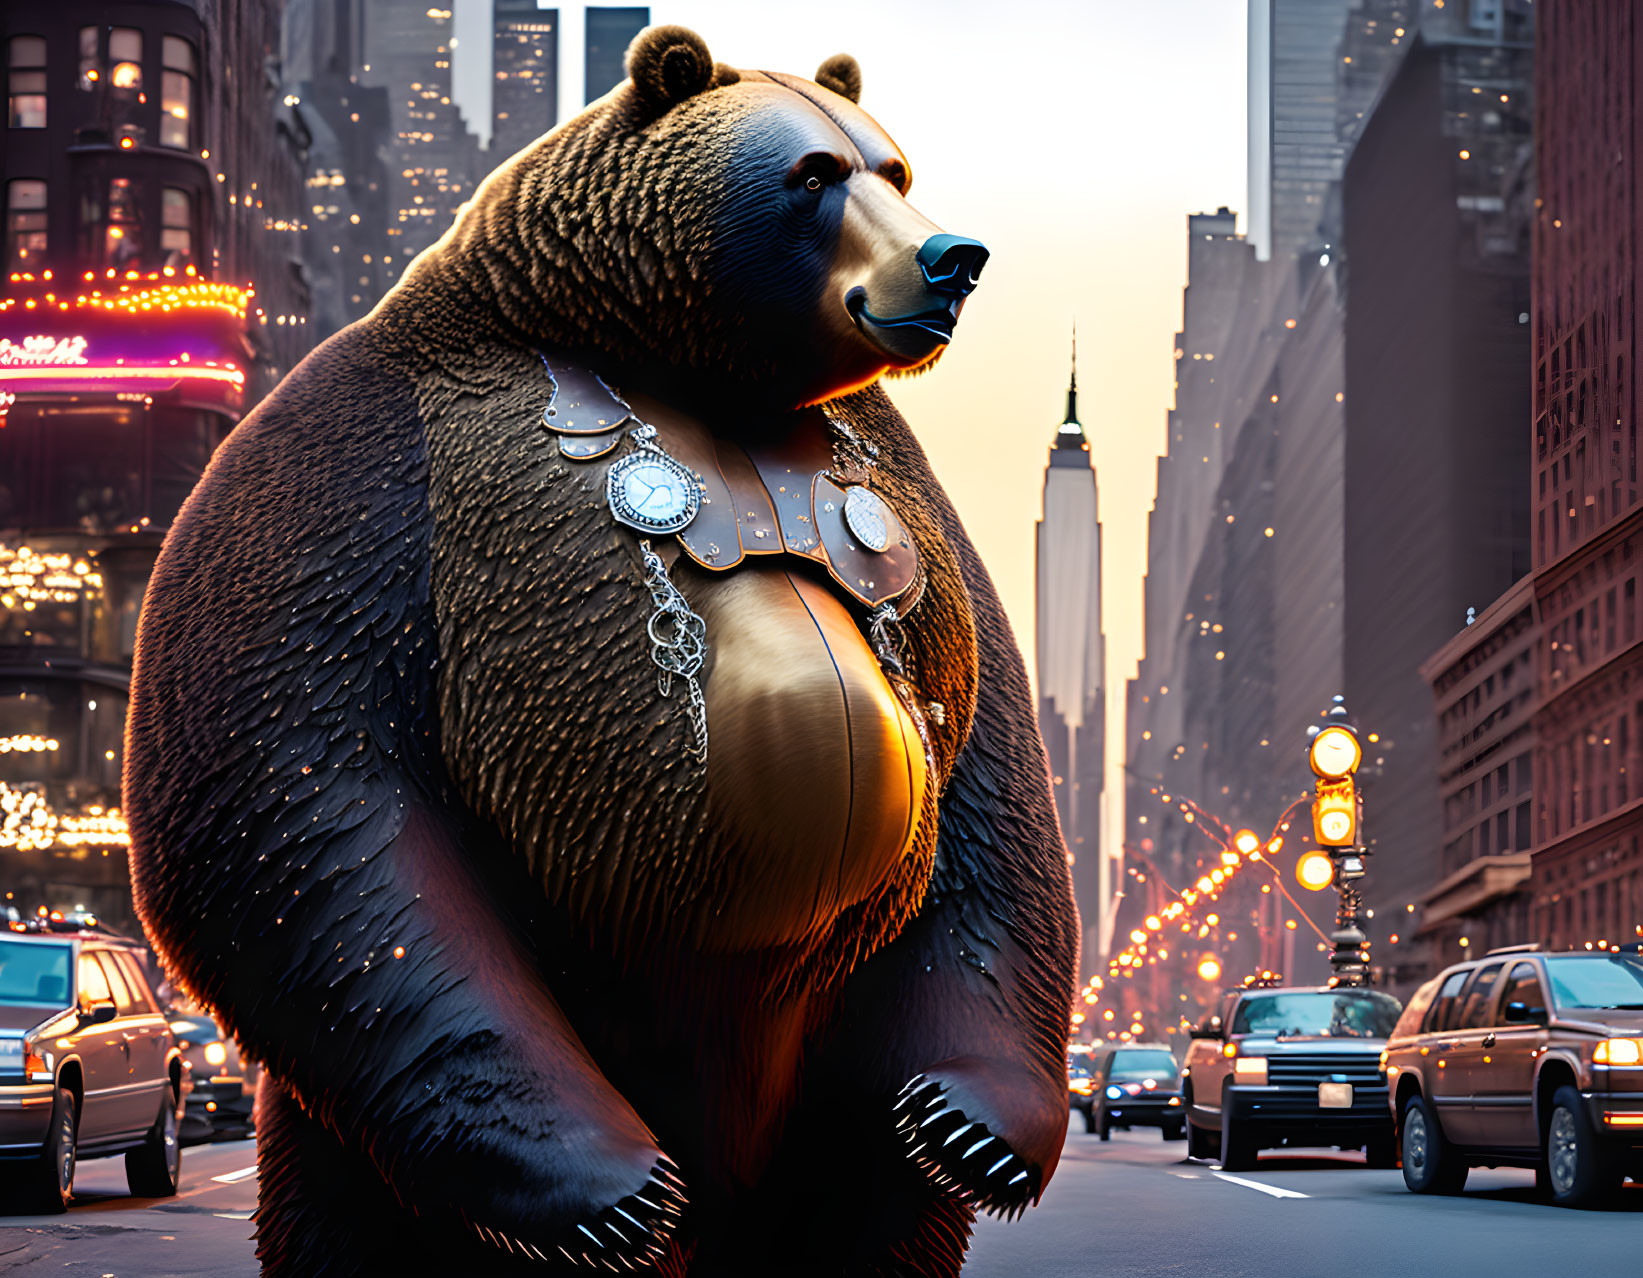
{"x": 176, "y": 227}
{"x": 25, "y": 225}
{"x": 26, "y": 83}
{"x": 177, "y": 93}
{"x": 125, "y": 58}
{"x": 91, "y": 65}
{"x": 123, "y": 233}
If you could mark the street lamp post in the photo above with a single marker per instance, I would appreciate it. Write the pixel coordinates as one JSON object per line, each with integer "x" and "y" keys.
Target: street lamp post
{"x": 1337, "y": 825}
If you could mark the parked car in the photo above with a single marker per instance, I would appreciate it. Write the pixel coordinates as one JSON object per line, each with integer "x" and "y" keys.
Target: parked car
{"x": 1295, "y": 1066}
{"x": 224, "y": 1083}
{"x": 1080, "y": 1087}
{"x": 1135, "y": 1085}
{"x": 1524, "y": 1058}
{"x": 88, "y": 1066}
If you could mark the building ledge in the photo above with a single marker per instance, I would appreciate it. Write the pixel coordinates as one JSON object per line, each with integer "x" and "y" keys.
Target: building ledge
{"x": 1473, "y": 886}
{"x": 1579, "y": 835}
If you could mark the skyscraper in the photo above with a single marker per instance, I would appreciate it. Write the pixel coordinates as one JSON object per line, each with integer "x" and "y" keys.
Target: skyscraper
{"x": 1072, "y": 655}
{"x": 608, "y": 33}
{"x": 525, "y": 71}
{"x": 433, "y": 158}
{"x": 1294, "y": 150}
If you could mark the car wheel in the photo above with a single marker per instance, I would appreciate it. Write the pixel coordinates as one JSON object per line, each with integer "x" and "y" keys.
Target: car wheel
{"x": 1239, "y": 1149}
{"x": 1382, "y": 1152}
{"x": 1430, "y": 1163}
{"x": 1581, "y": 1172}
{"x": 153, "y": 1168}
{"x": 1175, "y": 1130}
{"x": 50, "y": 1178}
{"x": 1201, "y": 1143}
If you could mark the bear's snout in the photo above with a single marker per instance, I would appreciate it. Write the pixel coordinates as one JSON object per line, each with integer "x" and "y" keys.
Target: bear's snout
{"x": 952, "y": 264}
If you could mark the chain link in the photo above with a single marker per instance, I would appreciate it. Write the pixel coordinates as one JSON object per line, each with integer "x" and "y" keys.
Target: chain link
{"x": 678, "y": 645}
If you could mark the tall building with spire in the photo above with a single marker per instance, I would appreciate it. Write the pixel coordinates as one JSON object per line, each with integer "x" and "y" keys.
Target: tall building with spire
{"x": 1072, "y": 656}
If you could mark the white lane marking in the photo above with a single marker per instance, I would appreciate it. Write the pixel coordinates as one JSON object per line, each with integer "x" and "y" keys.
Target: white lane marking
{"x": 1255, "y": 1184}
{"x": 232, "y": 1215}
{"x": 235, "y": 1177}
{"x": 1186, "y": 1175}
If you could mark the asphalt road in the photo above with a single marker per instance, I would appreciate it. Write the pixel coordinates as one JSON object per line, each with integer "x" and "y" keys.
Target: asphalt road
{"x": 1134, "y": 1207}
{"x": 204, "y": 1231}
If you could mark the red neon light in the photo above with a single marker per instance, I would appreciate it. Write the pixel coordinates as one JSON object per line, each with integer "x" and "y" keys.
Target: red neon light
{"x": 123, "y": 372}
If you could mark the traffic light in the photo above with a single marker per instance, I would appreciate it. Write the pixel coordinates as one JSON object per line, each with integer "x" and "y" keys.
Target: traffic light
{"x": 1335, "y": 813}
{"x": 1337, "y": 810}
{"x": 1315, "y": 871}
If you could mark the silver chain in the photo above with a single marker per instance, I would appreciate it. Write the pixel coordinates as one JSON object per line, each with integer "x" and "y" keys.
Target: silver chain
{"x": 678, "y": 644}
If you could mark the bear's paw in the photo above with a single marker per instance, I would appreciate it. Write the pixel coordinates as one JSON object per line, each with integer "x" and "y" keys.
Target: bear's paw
{"x": 842, "y": 74}
{"x": 631, "y": 1234}
{"x": 668, "y": 65}
{"x": 949, "y": 1135}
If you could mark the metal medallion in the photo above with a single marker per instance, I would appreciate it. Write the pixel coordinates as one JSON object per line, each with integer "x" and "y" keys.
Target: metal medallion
{"x": 867, "y": 517}
{"x": 651, "y": 493}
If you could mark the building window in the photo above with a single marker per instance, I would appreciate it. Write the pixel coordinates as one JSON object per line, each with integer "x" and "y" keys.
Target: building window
{"x": 123, "y": 232}
{"x": 125, "y": 58}
{"x": 176, "y": 227}
{"x": 25, "y": 225}
{"x": 26, "y": 83}
{"x": 177, "y": 94}
{"x": 91, "y": 66}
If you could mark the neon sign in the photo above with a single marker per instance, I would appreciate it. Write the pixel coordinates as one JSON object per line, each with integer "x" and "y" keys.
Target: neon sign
{"x": 37, "y": 351}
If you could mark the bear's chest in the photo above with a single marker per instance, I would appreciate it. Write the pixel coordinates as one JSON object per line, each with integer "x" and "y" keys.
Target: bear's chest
{"x": 816, "y": 787}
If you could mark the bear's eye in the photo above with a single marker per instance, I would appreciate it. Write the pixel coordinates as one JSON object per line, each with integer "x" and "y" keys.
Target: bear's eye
{"x": 818, "y": 169}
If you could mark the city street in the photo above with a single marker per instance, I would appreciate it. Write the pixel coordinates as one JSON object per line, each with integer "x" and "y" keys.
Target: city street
{"x": 1136, "y": 1208}
{"x": 1132, "y": 1208}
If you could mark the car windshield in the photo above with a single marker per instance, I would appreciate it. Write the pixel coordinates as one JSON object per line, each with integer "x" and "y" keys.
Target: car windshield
{"x": 1615, "y": 980}
{"x": 34, "y": 973}
{"x": 1318, "y": 1013}
{"x": 1142, "y": 1064}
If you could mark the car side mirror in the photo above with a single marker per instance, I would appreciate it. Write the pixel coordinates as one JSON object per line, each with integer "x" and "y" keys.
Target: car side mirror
{"x": 99, "y": 1014}
{"x": 1522, "y": 1014}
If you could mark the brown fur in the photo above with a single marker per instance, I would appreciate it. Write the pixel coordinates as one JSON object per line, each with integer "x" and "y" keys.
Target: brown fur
{"x": 409, "y": 813}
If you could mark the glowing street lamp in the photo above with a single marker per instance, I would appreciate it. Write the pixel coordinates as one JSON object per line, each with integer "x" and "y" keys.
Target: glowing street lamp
{"x": 1246, "y": 841}
{"x": 1209, "y": 969}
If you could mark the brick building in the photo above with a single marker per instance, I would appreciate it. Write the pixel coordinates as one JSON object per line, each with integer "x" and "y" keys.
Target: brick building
{"x": 1588, "y": 521}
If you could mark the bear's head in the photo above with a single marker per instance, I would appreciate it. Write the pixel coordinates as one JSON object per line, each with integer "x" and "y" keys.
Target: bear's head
{"x": 716, "y": 232}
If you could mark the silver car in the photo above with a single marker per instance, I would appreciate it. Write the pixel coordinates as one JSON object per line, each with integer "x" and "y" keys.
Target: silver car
{"x": 88, "y": 1067}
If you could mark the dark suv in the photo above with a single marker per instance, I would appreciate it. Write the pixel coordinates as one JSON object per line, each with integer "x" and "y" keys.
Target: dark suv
{"x": 1290, "y": 1067}
{"x": 88, "y": 1067}
{"x": 1135, "y": 1086}
{"x": 1524, "y": 1058}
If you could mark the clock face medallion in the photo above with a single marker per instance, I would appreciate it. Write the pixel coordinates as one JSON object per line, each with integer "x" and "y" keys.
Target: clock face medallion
{"x": 652, "y": 493}
{"x": 867, "y": 517}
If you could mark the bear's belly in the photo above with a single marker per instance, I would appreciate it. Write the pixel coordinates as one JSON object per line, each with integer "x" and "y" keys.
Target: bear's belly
{"x": 816, "y": 774}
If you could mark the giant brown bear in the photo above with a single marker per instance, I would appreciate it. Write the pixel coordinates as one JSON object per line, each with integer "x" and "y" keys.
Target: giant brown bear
{"x": 547, "y": 970}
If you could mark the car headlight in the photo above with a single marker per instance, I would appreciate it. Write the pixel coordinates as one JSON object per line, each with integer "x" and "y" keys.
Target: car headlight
{"x": 1619, "y": 1051}
{"x": 1115, "y": 1093}
{"x": 1249, "y": 1069}
{"x": 215, "y": 1053}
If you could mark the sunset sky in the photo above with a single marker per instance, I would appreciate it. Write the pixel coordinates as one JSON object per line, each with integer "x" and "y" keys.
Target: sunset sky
{"x": 1073, "y": 139}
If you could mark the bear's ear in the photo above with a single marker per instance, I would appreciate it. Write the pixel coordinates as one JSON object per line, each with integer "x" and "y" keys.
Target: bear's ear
{"x": 668, "y": 65}
{"x": 842, "y": 74}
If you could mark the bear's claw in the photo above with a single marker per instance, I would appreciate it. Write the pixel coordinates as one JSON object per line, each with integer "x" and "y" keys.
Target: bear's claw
{"x": 960, "y": 1154}
{"x": 630, "y": 1235}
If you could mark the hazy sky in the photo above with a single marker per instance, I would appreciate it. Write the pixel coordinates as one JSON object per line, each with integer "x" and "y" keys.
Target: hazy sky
{"x": 1073, "y": 139}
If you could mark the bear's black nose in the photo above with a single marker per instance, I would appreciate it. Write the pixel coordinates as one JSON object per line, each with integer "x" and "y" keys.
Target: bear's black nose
{"x": 952, "y": 264}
